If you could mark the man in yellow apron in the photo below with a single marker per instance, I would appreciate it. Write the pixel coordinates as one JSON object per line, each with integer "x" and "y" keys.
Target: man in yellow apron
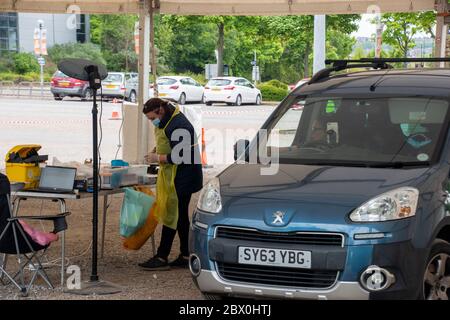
{"x": 179, "y": 176}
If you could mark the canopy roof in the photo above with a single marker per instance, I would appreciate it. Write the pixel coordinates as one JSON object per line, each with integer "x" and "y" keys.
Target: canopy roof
{"x": 219, "y": 7}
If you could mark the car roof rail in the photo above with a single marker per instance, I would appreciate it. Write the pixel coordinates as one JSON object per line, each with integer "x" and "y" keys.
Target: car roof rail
{"x": 339, "y": 65}
{"x": 374, "y": 63}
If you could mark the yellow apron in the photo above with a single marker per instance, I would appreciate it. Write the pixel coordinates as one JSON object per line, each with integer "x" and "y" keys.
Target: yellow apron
{"x": 166, "y": 210}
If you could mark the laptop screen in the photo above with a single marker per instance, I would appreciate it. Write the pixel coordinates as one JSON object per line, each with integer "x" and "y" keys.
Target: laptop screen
{"x": 57, "y": 178}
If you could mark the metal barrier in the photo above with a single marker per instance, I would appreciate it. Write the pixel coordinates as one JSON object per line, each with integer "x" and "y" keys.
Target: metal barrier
{"x": 25, "y": 89}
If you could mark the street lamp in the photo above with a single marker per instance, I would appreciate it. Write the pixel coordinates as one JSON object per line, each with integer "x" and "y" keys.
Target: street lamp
{"x": 40, "y": 48}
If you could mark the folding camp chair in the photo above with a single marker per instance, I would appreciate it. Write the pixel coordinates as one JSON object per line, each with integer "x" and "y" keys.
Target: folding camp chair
{"x": 15, "y": 241}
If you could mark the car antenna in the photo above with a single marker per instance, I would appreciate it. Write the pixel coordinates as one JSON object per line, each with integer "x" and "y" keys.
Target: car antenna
{"x": 379, "y": 80}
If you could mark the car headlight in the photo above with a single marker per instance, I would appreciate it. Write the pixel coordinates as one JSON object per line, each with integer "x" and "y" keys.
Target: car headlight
{"x": 210, "y": 200}
{"x": 397, "y": 204}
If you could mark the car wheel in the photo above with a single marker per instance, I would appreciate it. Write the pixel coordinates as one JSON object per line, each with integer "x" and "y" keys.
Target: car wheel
{"x": 182, "y": 99}
{"x": 132, "y": 97}
{"x": 57, "y": 97}
{"x": 238, "y": 100}
{"x": 208, "y": 103}
{"x": 87, "y": 95}
{"x": 436, "y": 278}
{"x": 258, "y": 100}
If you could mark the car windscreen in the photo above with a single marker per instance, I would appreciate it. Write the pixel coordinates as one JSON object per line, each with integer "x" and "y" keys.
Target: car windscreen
{"x": 219, "y": 82}
{"x": 114, "y": 77}
{"x": 59, "y": 74}
{"x": 358, "y": 130}
{"x": 166, "y": 81}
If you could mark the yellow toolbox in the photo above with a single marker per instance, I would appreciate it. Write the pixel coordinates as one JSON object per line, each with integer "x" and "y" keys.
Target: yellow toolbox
{"x": 23, "y": 165}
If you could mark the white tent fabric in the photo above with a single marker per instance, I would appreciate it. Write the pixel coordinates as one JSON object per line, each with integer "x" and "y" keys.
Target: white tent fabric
{"x": 220, "y": 7}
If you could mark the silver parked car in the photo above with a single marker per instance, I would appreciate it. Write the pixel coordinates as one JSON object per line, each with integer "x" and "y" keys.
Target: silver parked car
{"x": 121, "y": 85}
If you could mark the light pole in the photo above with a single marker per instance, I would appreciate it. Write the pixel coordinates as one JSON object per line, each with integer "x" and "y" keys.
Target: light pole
{"x": 40, "y": 49}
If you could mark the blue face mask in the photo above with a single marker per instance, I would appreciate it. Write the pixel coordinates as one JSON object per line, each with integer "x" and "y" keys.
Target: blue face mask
{"x": 156, "y": 122}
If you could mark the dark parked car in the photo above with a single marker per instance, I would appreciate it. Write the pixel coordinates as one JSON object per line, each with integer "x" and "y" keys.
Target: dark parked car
{"x": 65, "y": 86}
{"x": 355, "y": 203}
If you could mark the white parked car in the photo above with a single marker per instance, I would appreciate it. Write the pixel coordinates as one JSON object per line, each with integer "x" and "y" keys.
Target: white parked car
{"x": 232, "y": 91}
{"x": 178, "y": 88}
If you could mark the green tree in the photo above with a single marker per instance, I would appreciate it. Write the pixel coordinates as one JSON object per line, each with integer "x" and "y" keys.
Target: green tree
{"x": 115, "y": 35}
{"x": 76, "y": 50}
{"x": 401, "y": 28}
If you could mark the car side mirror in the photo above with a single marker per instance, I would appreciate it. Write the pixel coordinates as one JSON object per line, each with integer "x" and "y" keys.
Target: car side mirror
{"x": 241, "y": 147}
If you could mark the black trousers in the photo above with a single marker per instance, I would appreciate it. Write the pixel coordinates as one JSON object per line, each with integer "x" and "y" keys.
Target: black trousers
{"x": 168, "y": 234}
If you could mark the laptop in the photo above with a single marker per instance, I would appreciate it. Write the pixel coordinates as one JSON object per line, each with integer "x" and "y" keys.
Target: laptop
{"x": 56, "y": 180}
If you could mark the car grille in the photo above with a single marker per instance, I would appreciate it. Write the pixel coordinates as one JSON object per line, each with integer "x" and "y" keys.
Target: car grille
{"x": 277, "y": 276}
{"x": 306, "y": 238}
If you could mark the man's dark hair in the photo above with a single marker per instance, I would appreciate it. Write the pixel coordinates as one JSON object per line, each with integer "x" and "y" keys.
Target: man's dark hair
{"x": 155, "y": 103}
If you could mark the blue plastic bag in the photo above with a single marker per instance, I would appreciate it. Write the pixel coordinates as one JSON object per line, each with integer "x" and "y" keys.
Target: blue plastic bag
{"x": 135, "y": 209}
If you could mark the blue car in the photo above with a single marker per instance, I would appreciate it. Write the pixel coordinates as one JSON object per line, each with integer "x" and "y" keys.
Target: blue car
{"x": 343, "y": 195}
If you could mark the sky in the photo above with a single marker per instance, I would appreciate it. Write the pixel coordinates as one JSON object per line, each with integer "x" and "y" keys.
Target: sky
{"x": 366, "y": 29}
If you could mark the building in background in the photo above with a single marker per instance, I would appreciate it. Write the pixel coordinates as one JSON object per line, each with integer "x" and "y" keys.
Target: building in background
{"x": 17, "y": 30}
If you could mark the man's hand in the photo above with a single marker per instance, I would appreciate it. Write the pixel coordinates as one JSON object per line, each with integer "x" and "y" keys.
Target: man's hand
{"x": 155, "y": 158}
{"x": 151, "y": 158}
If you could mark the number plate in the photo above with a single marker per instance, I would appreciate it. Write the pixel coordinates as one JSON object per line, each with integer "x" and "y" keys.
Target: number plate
{"x": 163, "y": 94}
{"x": 110, "y": 86}
{"x": 216, "y": 89}
{"x": 275, "y": 257}
{"x": 64, "y": 84}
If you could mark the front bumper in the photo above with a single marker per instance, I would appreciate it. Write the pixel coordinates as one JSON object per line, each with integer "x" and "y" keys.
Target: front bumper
{"x": 402, "y": 259}
{"x": 209, "y": 281}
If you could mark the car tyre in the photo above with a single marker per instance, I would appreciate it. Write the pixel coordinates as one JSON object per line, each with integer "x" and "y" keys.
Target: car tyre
{"x": 57, "y": 97}
{"x": 203, "y": 99}
{"x": 87, "y": 95}
{"x": 258, "y": 100}
{"x": 436, "y": 277}
{"x": 208, "y": 103}
{"x": 238, "y": 101}
{"x": 182, "y": 99}
{"x": 132, "y": 97}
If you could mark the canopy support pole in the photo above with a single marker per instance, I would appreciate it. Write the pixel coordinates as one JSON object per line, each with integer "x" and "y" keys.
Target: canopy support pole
{"x": 319, "y": 42}
{"x": 144, "y": 74}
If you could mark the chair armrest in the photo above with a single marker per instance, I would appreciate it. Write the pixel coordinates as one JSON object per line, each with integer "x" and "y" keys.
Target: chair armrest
{"x": 42, "y": 217}
{"x": 59, "y": 220}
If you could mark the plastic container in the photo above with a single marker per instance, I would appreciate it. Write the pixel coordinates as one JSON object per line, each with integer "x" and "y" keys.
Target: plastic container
{"x": 112, "y": 177}
{"x": 138, "y": 170}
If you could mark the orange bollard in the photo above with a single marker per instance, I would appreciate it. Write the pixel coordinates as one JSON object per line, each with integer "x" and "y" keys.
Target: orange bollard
{"x": 204, "y": 160}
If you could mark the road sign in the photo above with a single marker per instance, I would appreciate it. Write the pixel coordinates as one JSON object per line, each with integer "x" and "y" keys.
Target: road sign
{"x": 41, "y": 61}
{"x": 255, "y": 74}
{"x": 210, "y": 71}
{"x": 253, "y": 62}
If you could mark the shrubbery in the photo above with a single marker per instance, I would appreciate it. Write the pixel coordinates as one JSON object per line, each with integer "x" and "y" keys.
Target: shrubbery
{"x": 25, "y": 62}
{"x": 29, "y": 76}
{"x": 273, "y": 90}
{"x": 277, "y": 84}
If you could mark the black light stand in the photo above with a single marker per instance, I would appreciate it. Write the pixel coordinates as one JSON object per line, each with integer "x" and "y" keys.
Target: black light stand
{"x": 89, "y": 71}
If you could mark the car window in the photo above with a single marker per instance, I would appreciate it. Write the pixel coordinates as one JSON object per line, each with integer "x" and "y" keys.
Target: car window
{"x": 114, "y": 77}
{"x": 219, "y": 82}
{"x": 60, "y": 74}
{"x": 239, "y": 82}
{"x": 166, "y": 81}
{"x": 192, "y": 82}
{"x": 248, "y": 84}
{"x": 359, "y": 130}
{"x": 185, "y": 81}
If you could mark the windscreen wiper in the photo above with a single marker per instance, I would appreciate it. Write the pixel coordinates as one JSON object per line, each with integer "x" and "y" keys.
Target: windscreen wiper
{"x": 399, "y": 164}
